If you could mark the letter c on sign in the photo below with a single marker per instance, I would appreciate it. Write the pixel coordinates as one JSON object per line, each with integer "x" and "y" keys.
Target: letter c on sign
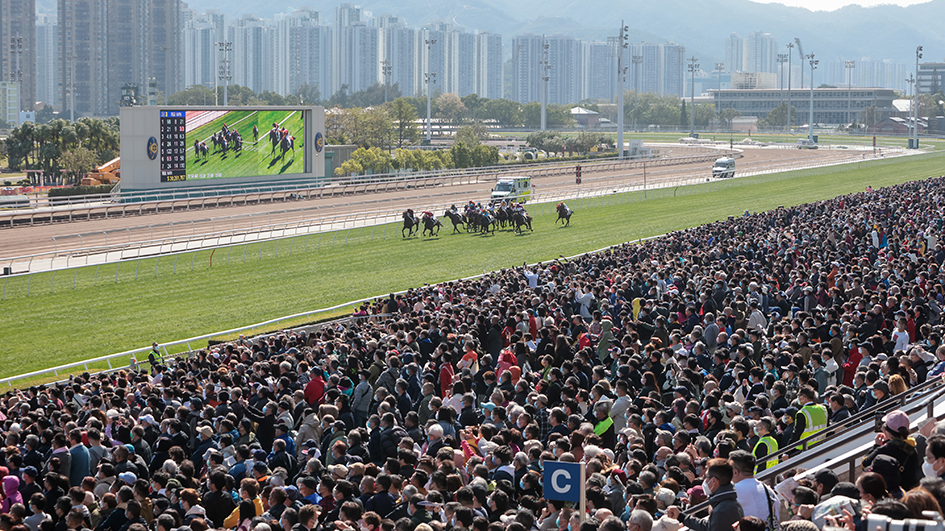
{"x": 554, "y": 480}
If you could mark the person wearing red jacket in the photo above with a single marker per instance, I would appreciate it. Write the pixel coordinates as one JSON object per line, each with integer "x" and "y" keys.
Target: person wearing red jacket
{"x": 315, "y": 389}
{"x": 446, "y": 377}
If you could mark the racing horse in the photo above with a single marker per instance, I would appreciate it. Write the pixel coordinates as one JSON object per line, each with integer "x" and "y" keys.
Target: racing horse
{"x": 482, "y": 221}
{"x": 456, "y": 218}
{"x": 201, "y": 150}
{"x": 287, "y": 143}
{"x": 411, "y": 224}
{"x": 521, "y": 219}
{"x": 274, "y": 138}
{"x": 564, "y": 213}
{"x": 431, "y": 224}
{"x": 502, "y": 215}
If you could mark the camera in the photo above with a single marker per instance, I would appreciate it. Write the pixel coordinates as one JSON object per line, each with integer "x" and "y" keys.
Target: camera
{"x": 931, "y": 522}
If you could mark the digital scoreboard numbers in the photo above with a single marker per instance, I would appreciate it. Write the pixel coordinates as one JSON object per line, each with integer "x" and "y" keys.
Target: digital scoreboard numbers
{"x": 173, "y": 146}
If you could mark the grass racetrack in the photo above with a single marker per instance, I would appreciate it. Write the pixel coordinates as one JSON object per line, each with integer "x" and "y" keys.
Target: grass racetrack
{"x": 255, "y": 158}
{"x": 121, "y": 312}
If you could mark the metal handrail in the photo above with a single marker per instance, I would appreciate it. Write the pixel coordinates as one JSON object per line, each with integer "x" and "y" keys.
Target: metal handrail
{"x": 199, "y": 192}
{"x": 826, "y": 440}
{"x": 545, "y": 194}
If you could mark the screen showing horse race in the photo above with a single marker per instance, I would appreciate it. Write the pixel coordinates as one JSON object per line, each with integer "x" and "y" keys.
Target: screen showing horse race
{"x": 219, "y": 144}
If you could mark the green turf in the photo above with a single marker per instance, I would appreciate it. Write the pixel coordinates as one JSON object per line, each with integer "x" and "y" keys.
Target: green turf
{"x": 151, "y": 302}
{"x": 256, "y": 158}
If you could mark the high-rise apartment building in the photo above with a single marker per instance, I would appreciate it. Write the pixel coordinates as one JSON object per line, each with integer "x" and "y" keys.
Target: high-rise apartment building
{"x": 489, "y": 66}
{"x": 598, "y": 76}
{"x": 18, "y": 21}
{"x": 83, "y": 56}
{"x": 346, "y": 15}
{"x": 761, "y": 53}
{"x": 310, "y": 56}
{"x": 47, "y": 73}
{"x": 105, "y": 44}
{"x": 252, "y": 54}
{"x": 431, "y": 59}
{"x": 734, "y": 54}
{"x": 399, "y": 50}
{"x": 201, "y": 34}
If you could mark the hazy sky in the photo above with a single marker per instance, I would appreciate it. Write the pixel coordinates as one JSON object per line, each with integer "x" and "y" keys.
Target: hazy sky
{"x": 830, "y": 5}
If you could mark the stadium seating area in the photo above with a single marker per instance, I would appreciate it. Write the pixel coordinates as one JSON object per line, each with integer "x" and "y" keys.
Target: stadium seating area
{"x": 673, "y": 369}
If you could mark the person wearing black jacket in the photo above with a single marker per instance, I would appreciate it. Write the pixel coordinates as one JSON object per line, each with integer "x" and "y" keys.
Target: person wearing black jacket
{"x": 266, "y": 420}
{"x": 391, "y": 434}
{"x": 726, "y": 510}
{"x": 217, "y": 502}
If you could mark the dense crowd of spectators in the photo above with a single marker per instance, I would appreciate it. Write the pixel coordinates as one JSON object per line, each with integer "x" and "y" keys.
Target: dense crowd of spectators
{"x": 675, "y": 369}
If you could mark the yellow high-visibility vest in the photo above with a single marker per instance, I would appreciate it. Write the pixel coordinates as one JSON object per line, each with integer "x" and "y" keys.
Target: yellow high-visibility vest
{"x": 772, "y": 445}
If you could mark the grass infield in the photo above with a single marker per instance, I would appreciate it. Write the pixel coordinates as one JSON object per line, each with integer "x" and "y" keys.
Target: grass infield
{"x": 121, "y": 312}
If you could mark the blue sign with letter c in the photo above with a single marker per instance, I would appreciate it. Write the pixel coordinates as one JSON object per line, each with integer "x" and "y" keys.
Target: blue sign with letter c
{"x": 562, "y": 481}
{"x": 319, "y": 142}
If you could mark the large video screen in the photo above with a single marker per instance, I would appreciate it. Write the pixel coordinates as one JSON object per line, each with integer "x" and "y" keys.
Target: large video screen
{"x": 218, "y": 144}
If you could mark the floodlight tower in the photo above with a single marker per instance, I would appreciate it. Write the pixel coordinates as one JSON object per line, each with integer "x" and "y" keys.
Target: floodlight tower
{"x": 621, "y": 81}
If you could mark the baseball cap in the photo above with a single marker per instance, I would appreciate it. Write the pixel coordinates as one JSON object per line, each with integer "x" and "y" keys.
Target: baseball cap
{"x": 128, "y": 477}
{"x": 896, "y": 421}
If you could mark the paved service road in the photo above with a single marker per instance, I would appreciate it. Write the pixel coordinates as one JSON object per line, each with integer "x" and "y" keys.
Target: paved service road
{"x": 27, "y": 240}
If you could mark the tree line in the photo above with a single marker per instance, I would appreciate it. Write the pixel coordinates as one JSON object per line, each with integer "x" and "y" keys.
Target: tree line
{"x": 77, "y": 147}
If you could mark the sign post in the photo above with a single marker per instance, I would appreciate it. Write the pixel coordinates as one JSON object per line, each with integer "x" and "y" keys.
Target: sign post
{"x": 565, "y": 482}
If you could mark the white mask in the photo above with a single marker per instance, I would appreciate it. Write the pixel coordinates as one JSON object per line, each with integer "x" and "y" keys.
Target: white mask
{"x": 928, "y": 469}
{"x": 705, "y": 487}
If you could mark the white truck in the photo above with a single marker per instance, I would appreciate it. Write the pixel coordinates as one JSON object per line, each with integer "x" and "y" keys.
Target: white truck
{"x": 517, "y": 189}
{"x": 724, "y": 167}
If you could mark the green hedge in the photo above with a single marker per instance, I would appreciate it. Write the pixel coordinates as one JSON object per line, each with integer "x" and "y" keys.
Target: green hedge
{"x": 102, "y": 189}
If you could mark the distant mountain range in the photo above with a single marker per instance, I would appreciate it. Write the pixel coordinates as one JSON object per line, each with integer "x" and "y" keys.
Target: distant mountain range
{"x": 852, "y": 32}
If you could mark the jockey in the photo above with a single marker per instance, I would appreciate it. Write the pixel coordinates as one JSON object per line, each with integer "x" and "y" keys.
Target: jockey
{"x": 427, "y": 214}
{"x": 413, "y": 216}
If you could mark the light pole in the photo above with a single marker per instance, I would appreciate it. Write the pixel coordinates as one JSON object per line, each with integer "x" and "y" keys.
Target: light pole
{"x": 386, "y": 70}
{"x": 790, "y": 121}
{"x": 911, "y": 80}
{"x": 16, "y": 75}
{"x": 849, "y": 65}
{"x": 693, "y": 66}
{"x": 544, "y": 68}
{"x": 224, "y": 73}
{"x": 915, "y": 108}
{"x": 72, "y": 87}
{"x": 719, "y": 67}
{"x": 782, "y": 58}
{"x": 636, "y": 60}
{"x": 429, "y": 78}
{"x": 621, "y": 80}
{"x": 813, "y": 66}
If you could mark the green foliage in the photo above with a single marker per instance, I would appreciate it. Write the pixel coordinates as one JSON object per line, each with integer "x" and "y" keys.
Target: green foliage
{"x": 78, "y": 162}
{"x": 193, "y": 95}
{"x": 403, "y": 115}
{"x": 507, "y": 113}
{"x": 41, "y": 146}
{"x": 778, "y": 116}
{"x": 451, "y": 108}
{"x": 555, "y": 115}
{"x": 472, "y": 134}
{"x": 371, "y": 96}
{"x": 68, "y": 191}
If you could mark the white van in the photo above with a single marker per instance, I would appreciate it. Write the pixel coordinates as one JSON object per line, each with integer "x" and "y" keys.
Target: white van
{"x": 518, "y": 189}
{"x": 724, "y": 167}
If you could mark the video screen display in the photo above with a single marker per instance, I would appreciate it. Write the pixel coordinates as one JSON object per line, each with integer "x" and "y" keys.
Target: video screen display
{"x": 218, "y": 144}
